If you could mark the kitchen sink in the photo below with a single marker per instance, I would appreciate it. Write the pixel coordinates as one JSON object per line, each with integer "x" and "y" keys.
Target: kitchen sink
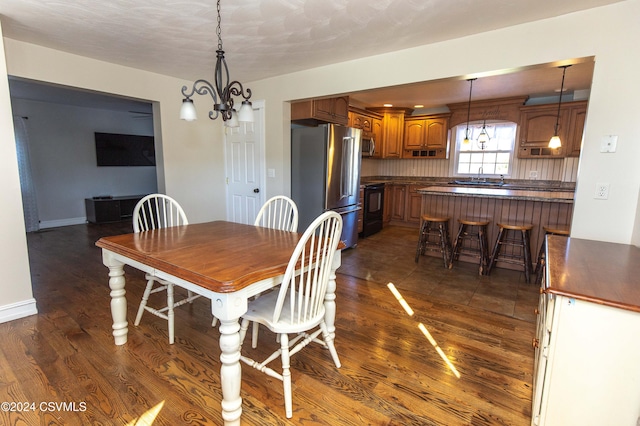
{"x": 476, "y": 183}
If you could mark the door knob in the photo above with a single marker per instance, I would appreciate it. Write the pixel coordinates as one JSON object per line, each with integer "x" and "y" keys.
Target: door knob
{"x": 256, "y": 190}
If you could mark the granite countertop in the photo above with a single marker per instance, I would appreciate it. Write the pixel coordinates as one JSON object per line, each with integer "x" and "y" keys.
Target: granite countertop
{"x": 511, "y": 184}
{"x": 500, "y": 192}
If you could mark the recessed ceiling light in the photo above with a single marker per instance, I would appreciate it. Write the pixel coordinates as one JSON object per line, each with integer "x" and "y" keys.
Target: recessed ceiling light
{"x": 388, "y": 105}
{"x": 418, "y": 106}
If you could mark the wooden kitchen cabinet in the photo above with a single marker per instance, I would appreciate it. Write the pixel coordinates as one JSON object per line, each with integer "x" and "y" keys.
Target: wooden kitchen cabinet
{"x": 586, "y": 362}
{"x": 414, "y": 204}
{"x": 537, "y": 126}
{"x": 398, "y": 206}
{"x": 393, "y": 127}
{"x": 426, "y": 136}
{"x": 405, "y": 204}
{"x": 388, "y": 202}
{"x": 327, "y": 110}
{"x": 577, "y": 120}
{"x": 377, "y": 131}
{"x": 360, "y": 121}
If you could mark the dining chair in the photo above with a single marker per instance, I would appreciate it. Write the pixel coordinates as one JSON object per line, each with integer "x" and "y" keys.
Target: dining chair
{"x": 298, "y": 306}
{"x": 157, "y": 211}
{"x": 279, "y": 212}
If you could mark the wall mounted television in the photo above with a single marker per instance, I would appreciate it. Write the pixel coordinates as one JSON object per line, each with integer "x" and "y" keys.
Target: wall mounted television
{"x": 114, "y": 149}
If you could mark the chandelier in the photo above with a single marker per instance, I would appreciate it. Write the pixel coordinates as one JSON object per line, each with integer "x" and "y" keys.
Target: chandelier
{"x": 222, "y": 94}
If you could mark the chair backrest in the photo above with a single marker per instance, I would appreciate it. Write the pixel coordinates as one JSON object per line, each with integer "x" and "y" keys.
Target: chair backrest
{"x": 157, "y": 211}
{"x": 304, "y": 286}
{"x": 278, "y": 212}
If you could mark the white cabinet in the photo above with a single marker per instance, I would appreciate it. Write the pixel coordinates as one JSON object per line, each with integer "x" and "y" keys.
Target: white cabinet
{"x": 587, "y": 368}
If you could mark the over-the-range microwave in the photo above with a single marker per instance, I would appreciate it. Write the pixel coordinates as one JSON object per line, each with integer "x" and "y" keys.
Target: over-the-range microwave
{"x": 368, "y": 146}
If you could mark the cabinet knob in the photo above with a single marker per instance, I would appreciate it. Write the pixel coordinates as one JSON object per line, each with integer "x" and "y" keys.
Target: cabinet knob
{"x": 536, "y": 311}
{"x": 535, "y": 343}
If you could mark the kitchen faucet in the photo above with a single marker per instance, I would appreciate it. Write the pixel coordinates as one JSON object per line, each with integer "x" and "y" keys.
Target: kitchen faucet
{"x": 479, "y": 178}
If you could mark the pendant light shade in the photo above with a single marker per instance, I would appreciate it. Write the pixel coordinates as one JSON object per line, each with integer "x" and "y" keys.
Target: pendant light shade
{"x": 188, "y": 110}
{"x": 245, "y": 115}
{"x": 483, "y": 137}
{"x": 222, "y": 93}
{"x": 467, "y": 139}
{"x": 555, "y": 141}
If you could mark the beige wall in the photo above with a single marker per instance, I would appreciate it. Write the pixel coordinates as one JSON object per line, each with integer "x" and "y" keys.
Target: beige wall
{"x": 15, "y": 285}
{"x": 192, "y": 160}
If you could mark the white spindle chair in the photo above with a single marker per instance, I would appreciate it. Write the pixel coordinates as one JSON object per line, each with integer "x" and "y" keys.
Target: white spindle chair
{"x": 281, "y": 213}
{"x": 153, "y": 212}
{"x": 278, "y": 212}
{"x": 298, "y": 306}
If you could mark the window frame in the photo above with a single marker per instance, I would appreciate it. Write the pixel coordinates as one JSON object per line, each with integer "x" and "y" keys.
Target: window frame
{"x": 474, "y": 129}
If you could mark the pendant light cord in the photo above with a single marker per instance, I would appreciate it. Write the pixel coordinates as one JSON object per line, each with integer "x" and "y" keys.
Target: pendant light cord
{"x": 564, "y": 71}
{"x": 469, "y": 106}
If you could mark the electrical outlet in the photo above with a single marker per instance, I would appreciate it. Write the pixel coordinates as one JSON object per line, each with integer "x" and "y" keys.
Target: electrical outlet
{"x": 533, "y": 174}
{"x": 602, "y": 191}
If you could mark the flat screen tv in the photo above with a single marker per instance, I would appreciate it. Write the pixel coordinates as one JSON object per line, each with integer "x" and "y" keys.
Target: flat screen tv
{"x": 124, "y": 150}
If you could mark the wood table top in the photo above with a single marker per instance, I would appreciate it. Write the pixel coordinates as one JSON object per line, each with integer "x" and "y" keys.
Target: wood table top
{"x": 220, "y": 256}
{"x": 599, "y": 272}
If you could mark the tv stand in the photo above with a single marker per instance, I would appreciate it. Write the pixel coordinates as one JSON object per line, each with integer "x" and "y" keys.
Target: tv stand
{"x": 105, "y": 209}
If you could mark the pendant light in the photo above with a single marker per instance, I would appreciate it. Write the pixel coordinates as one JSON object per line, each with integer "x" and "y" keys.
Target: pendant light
{"x": 222, "y": 94}
{"x": 467, "y": 140}
{"x": 555, "y": 141}
{"x": 483, "y": 137}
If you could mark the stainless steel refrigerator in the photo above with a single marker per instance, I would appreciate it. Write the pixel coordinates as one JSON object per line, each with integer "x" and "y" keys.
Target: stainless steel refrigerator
{"x": 325, "y": 175}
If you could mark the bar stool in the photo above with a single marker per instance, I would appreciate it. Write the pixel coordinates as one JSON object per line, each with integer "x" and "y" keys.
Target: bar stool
{"x": 475, "y": 233}
{"x": 521, "y": 240}
{"x": 542, "y": 254}
{"x": 434, "y": 236}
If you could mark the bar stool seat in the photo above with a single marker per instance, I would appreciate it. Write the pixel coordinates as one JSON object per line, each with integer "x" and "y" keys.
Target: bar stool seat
{"x": 521, "y": 247}
{"x": 542, "y": 254}
{"x": 472, "y": 240}
{"x": 434, "y": 236}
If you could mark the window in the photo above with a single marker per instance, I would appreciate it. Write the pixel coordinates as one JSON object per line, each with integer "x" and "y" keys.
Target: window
{"x": 490, "y": 159}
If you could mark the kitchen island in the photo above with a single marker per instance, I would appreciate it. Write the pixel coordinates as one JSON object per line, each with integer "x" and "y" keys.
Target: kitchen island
{"x": 498, "y": 204}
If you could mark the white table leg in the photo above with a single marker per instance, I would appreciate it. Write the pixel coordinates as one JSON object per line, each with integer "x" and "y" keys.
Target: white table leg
{"x": 118, "y": 300}
{"x": 230, "y": 371}
{"x": 330, "y": 297}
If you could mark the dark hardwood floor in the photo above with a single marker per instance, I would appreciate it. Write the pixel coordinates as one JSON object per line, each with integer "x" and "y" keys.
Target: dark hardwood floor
{"x": 463, "y": 357}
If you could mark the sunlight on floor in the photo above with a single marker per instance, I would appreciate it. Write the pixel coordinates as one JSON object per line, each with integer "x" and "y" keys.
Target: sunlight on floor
{"x": 147, "y": 418}
{"x": 400, "y": 299}
{"x": 423, "y": 328}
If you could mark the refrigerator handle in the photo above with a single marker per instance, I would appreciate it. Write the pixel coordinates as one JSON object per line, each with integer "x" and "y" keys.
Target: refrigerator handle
{"x": 346, "y": 175}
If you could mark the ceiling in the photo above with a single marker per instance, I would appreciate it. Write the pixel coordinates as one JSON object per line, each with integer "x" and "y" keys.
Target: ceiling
{"x": 273, "y": 37}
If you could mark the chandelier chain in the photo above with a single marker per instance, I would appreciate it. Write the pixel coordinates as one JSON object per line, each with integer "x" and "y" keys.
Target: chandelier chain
{"x": 219, "y": 29}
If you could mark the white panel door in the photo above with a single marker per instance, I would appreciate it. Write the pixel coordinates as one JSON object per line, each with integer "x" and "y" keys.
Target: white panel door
{"x": 245, "y": 164}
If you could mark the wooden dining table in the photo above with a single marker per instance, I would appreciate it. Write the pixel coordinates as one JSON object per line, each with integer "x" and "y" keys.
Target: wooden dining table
{"x": 226, "y": 262}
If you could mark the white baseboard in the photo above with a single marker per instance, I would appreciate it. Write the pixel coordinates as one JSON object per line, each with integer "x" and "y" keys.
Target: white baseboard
{"x": 18, "y": 310}
{"x": 62, "y": 222}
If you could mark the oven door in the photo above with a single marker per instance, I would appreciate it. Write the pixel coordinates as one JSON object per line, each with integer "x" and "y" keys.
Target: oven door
{"x": 373, "y": 209}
